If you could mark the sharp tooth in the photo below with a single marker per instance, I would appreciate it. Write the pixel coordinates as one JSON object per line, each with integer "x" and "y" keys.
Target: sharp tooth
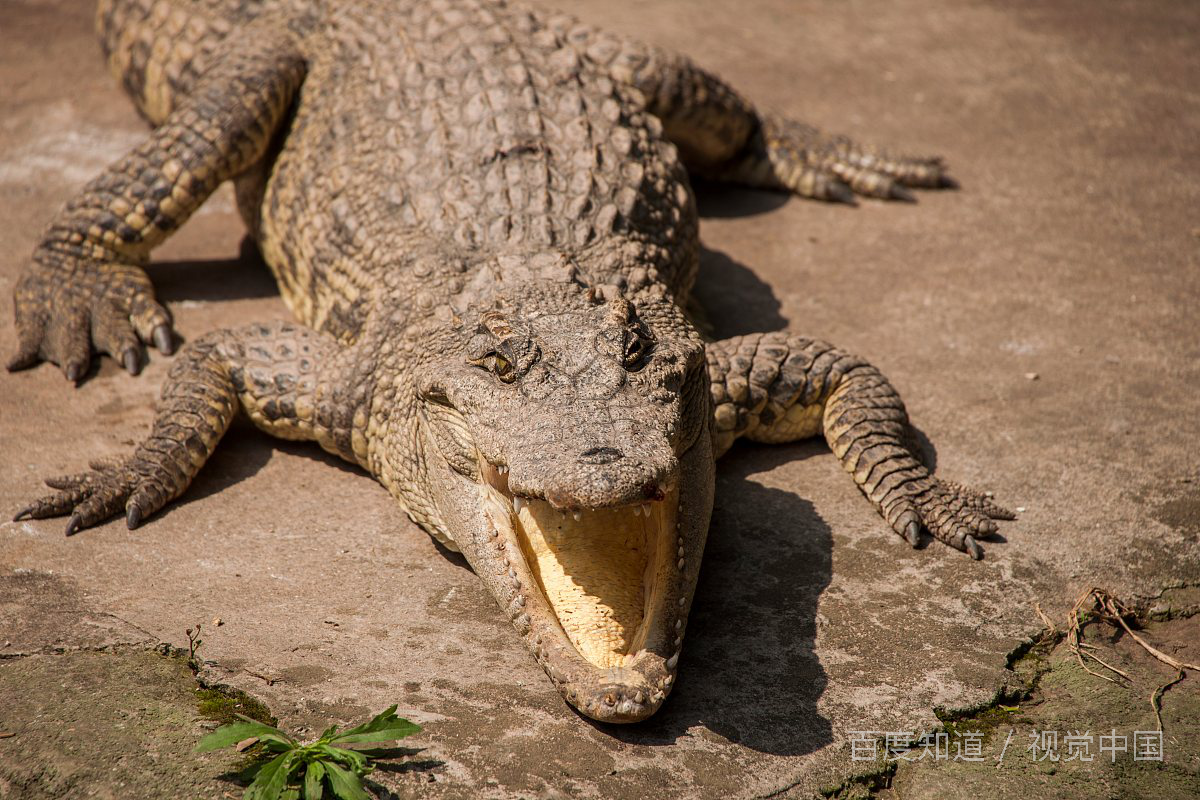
{"x": 502, "y": 470}
{"x": 646, "y": 509}
{"x": 518, "y": 504}
{"x": 637, "y": 511}
{"x": 577, "y": 515}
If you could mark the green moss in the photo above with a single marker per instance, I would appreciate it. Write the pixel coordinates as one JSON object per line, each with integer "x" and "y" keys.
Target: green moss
{"x": 864, "y": 785}
{"x": 985, "y": 722}
{"x": 221, "y": 704}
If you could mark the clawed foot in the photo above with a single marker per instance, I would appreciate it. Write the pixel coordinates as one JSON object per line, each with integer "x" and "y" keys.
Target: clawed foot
{"x": 63, "y": 314}
{"x": 952, "y": 513}
{"x": 837, "y": 169}
{"x": 134, "y": 486}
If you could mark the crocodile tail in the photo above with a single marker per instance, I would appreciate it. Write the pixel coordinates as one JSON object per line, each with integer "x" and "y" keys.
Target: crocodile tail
{"x": 157, "y": 48}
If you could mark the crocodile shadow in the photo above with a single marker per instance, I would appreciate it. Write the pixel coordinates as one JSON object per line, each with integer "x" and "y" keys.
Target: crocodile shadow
{"x": 245, "y": 450}
{"x": 749, "y": 671}
{"x": 215, "y": 280}
{"x": 730, "y": 300}
{"x": 715, "y": 200}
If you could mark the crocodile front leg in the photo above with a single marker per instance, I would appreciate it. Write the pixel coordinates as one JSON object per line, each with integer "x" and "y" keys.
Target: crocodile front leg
{"x": 292, "y": 382}
{"x": 86, "y": 288}
{"x": 778, "y": 387}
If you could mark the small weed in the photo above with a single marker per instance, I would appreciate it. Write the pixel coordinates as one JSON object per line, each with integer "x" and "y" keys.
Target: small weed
{"x": 194, "y": 642}
{"x": 297, "y": 770}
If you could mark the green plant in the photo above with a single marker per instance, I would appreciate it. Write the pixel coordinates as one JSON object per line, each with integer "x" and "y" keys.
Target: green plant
{"x": 297, "y": 770}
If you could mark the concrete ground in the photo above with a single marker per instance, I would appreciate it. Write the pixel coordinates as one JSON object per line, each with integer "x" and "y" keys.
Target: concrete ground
{"x": 1041, "y": 323}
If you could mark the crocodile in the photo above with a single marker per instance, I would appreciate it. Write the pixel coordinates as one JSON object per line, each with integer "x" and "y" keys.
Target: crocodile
{"x": 481, "y": 217}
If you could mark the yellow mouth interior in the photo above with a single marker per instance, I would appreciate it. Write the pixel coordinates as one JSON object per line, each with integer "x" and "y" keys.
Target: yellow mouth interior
{"x": 598, "y": 568}
{"x": 594, "y": 571}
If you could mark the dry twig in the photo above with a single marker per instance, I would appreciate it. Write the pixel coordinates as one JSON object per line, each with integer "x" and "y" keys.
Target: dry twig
{"x": 1075, "y": 635}
{"x": 1046, "y": 620}
{"x": 1110, "y": 609}
{"x": 1156, "y": 698}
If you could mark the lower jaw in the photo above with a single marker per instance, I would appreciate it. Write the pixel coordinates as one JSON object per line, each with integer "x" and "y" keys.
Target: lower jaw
{"x": 629, "y": 696}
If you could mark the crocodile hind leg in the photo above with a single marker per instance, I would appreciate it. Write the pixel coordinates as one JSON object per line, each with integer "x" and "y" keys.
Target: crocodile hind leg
{"x": 791, "y": 156}
{"x": 291, "y": 381}
{"x": 86, "y": 287}
{"x": 721, "y": 136}
{"x": 778, "y": 387}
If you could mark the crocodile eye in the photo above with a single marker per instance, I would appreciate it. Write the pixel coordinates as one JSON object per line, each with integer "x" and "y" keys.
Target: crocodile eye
{"x": 635, "y": 349}
{"x": 496, "y": 364}
{"x": 503, "y": 368}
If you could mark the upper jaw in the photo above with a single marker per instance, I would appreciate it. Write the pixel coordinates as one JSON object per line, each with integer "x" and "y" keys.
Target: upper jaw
{"x": 638, "y": 499}
{"x": 570, "y": 483}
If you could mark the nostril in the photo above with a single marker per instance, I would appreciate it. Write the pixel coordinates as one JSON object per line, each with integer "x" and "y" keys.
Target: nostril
{"x": 600, "y": 455}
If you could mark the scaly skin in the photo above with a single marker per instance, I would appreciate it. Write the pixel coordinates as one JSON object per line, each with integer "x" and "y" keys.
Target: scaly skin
{"x": 481, "y": 217}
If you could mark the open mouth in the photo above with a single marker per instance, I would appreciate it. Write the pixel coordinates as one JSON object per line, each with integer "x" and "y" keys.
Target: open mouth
{"x": 602, "y": 571}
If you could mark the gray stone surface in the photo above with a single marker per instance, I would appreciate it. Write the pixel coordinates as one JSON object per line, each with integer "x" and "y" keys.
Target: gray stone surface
{"x": 1071, "y": 253}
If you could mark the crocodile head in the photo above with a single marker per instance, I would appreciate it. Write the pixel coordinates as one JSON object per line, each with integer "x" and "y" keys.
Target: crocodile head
{"x": 569, "y": 458}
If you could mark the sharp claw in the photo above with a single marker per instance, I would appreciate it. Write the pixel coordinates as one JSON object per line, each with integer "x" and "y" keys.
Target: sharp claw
{"x": 946, "y": 182}
{"x": 162, "y": 339}
{"x": 74, "y": 371}
{"x": 133, "y": 364}
{"x": 133, "y": 517}
{"x": 972, "y": 547}
{"x": 912, "y": 533}
{"x": 27, "y": 511}
{"x": 898, "y": 192}
{"x": 74, "y": 524}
